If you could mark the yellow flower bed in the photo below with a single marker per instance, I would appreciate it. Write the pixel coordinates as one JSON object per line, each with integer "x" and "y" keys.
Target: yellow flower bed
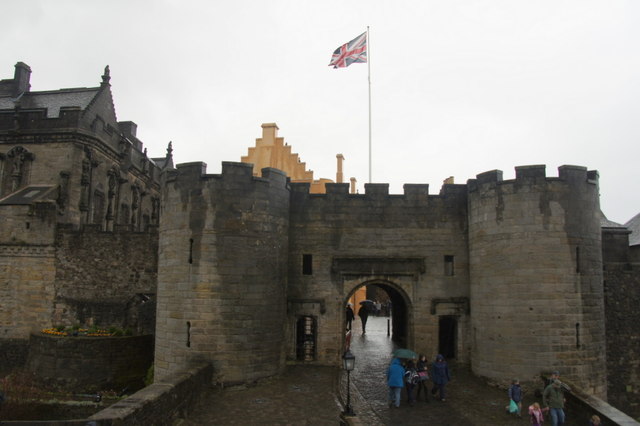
{"x": 80, "y": 332}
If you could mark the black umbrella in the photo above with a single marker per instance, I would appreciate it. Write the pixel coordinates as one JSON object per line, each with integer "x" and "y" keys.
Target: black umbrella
{"x": 367, "y": 301}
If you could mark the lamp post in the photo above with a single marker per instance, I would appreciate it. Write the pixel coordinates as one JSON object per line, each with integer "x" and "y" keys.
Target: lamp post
{"x": 348, "y": 362}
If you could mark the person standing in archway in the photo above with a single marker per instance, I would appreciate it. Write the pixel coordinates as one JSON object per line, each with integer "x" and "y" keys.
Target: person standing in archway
{"x": 363, "y": 313}
{"x": 350, "y": 316}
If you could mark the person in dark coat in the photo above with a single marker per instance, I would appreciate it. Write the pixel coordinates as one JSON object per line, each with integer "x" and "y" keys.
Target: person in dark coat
{"x": 350, "y": 316}
{"x": 515, "y": 395}
{"x": 422, "y": 367}
{"x": 440, "y": 376}
{"x": 363, "y": 313}
{"x": 410, "y": 381}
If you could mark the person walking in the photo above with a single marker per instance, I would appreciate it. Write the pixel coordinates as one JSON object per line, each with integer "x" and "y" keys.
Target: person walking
{"x": 515, "y": 395}
{"x": 553, "y": 399}
{"x": 363, "y": 313}
{"x": 422, "y": 368}
{"x": 411, "y": 379}
{"x": 535, "y": 414}
{"x": 395, "y": 381}
{"x": 440, "y": 376}
{"x": 350, "y": 316}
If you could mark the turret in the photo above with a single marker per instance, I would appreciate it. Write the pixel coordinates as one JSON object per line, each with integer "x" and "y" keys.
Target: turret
{"x": 222, "y": 272}
{"x": 536, "y": 276}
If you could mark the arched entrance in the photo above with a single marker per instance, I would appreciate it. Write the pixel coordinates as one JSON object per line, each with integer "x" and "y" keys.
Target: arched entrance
{"x": 394, "y": 304}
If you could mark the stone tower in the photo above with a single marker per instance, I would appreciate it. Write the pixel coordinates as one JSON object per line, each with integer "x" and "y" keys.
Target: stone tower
{"x": 536, "y": 276}
{"x": 222, "y": 272}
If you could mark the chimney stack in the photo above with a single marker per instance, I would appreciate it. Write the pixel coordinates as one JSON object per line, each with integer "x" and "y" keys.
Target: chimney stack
{"x": 21, "y": 79}
{"x": 339, "y": 176}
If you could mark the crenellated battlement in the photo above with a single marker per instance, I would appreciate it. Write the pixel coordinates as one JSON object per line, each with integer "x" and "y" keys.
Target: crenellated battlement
{"x": 535, "y": 174}
{"x": 238, "y": 174}
{"x": 240, "y": 177}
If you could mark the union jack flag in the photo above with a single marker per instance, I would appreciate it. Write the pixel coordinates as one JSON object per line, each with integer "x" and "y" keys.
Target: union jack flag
{"x": 349, "y": 53}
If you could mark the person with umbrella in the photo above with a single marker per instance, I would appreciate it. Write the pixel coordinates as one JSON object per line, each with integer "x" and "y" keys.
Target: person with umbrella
{"x": 363, "y": 313}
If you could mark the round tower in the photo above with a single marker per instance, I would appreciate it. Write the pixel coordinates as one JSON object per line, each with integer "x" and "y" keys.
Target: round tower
{"x": 536, "y": 276}
{"x": 222, "y": 272}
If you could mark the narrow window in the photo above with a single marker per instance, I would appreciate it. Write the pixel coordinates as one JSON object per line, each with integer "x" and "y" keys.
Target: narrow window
{"x": 577, "y": 335}
{"x": 188, "y": 334}
{"x": 577, "y": 260}
{"x": 307, "y": 264}
{"x": 448, "y": 265}
{"x": 190, "y": 250}
{"x": 28, "y": 225}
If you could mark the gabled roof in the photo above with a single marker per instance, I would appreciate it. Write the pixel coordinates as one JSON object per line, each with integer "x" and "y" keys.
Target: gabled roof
{"x": 606, "y": 223}
{"x": 52, "y": 101}
{"x": 634, "y": 226}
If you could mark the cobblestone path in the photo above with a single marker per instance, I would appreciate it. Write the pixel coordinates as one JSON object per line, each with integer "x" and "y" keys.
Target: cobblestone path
{"x": 306, "y": 395}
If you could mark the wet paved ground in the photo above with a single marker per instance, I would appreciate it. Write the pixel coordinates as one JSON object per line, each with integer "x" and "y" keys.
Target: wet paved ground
{"x": 306, "y": 395}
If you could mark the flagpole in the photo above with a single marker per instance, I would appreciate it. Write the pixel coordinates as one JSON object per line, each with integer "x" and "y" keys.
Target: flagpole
{"x": 369, "y": 78}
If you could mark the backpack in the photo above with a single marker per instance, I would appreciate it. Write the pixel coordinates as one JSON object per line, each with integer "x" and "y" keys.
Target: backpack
{"x": 411, "y": 377}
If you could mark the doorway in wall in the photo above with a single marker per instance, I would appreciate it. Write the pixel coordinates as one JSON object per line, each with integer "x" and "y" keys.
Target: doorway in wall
{"x": 306, "y": 338}
{"x": 447, "y": 336}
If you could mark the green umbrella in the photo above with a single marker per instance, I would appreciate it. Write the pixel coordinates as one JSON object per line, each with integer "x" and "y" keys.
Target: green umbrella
{"x": 405, "y": 353}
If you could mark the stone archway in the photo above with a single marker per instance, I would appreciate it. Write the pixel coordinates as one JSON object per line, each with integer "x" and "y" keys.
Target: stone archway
{"x": 400, "y": 315}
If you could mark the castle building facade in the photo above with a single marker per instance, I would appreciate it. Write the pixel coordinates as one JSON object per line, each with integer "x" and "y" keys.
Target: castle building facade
{"x": 79, "y": 207}
{"x": 250, "y": 269}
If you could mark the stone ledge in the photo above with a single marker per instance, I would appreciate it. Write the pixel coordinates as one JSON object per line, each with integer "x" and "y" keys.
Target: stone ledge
{"x": 161, "y": 403}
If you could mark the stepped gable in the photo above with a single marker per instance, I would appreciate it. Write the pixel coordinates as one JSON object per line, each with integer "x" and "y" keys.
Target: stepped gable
{"x": 271, "y": 151}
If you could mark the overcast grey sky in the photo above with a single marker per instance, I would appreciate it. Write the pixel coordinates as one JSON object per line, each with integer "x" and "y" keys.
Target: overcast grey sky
{"x": 458, "y": 87}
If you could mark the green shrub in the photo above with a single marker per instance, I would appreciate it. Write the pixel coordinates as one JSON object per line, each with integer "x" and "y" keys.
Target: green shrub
{"x": 148, "y": 379}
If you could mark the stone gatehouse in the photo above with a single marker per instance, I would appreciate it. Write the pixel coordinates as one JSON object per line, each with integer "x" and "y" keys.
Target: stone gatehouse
{"x": 512, "y": 269}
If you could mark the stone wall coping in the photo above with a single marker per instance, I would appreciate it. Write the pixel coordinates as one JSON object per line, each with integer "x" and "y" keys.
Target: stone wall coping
{"x": 607, "y": 412}
{"x": 123, "y": 411}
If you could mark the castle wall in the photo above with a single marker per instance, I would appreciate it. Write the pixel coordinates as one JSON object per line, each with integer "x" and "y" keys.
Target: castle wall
{"x": 54, "y": 275}
{"x": 536, "y": 276}
{"x": 27, "y": 268}
{"x": 622, "y": 298}
{"x": 106, "y": 278}
{"x": 91, "y": 364}
{"x": 222, "y": 272}
{"x": 399, "y": 241}
{"x": 27, "y": 274}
